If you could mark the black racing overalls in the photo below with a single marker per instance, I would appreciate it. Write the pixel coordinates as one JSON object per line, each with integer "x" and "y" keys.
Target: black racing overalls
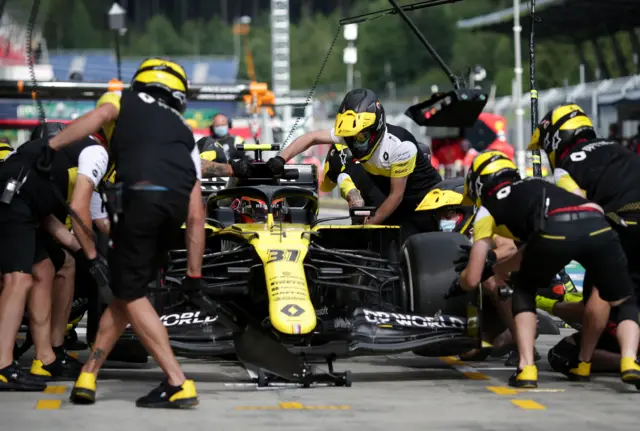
{"x": 570, "y": 231}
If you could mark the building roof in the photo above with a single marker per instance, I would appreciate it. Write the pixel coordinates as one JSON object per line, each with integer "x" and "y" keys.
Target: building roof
{"x": 563, "y": 18}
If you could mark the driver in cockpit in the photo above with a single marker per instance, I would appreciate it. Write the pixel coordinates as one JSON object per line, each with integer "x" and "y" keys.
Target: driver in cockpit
{"x": 252, "y": 210}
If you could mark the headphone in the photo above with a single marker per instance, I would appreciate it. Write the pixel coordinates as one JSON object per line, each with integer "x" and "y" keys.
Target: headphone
{"x": 228, "y": 122}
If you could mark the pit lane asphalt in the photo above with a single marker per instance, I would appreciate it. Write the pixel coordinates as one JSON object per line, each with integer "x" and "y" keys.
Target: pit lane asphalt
{"x": 402, "y": 392}
{"x": 389, "y": 392}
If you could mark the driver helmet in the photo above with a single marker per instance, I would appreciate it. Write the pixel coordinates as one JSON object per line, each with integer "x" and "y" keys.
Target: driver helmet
{"x": 361, "y": 122}
{"x": 252, "y": 210}
{"x": 559, "y": 130}
{"x": 163, "y": 79}
{"x": 489, "y": 170}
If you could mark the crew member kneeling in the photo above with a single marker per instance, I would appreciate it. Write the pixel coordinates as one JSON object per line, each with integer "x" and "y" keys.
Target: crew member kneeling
{"x": 558, "y": 227}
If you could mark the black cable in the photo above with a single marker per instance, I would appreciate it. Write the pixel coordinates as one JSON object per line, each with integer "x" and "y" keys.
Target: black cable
{"x": 118, "y": 56}
{"x": 369, "y": 16}
{"x": 42, "y": 115}
{"x": 30, "y": 26}
{"x": 3, "y": 4}
{"x": 456, "y": 81}
{"x": 313, "y": 87}
{"x": 536, "y": 158}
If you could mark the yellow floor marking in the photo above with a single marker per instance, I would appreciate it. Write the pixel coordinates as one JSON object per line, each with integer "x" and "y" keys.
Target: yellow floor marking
{"x": 292, "y": 405}
{"x": 469, "y": 372}
{"x": 74, "y": 355}
{"x": 528, "y": 405}
{"x": 55, "y": 389}
{"x": 504, "y": 390}
{"x": 48, "y": 404}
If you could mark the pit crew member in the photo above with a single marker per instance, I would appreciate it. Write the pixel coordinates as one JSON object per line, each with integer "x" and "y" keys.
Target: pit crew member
{"x": 158, "y": 169}
{"x": 558, "y": 227}
{"x": 396, "y": 175}
{"x": 79, "y": 194}
{"x": 603, "y": 172}
{"x": 220, "y": 136}
{"x": 32, "y": 193}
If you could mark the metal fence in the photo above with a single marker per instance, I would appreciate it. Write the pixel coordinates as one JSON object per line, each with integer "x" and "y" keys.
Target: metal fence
{"x": 607, "y": 102}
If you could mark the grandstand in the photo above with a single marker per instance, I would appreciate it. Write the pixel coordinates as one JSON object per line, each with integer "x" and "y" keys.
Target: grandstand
{"x": 100, "y": 66}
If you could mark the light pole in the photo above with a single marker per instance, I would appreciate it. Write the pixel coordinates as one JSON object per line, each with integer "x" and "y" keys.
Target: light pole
{"x": 117, "y": 23}
{"x": 350, "y": 55}
{"x": 517, "y": 91}
{"x": 241, "y": 27}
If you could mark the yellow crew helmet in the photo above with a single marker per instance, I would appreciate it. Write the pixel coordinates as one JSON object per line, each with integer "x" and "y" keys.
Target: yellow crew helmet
{"x": 193, "y": 124}
{"x": 438, "y": 198}
{"x": 562, "y": 127}
{"x": 164, "y": 79}
{"x": 488, "y": 169}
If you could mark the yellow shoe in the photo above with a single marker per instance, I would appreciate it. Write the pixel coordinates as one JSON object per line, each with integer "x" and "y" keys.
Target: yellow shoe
{"x": 166, "y": 396}
{"x": 526, "y": 378}
{"x": 630, "y": 371}
{"x": 84, "y": 391}
{"x": 578, "y": 371}
{"x": 40, "y": 371}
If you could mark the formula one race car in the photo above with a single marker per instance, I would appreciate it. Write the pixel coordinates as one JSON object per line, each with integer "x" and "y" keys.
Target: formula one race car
{"x": 285, "y": 288}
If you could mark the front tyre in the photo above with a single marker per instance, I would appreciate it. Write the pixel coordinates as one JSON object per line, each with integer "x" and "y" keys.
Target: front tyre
{"x": 427, "y": 262}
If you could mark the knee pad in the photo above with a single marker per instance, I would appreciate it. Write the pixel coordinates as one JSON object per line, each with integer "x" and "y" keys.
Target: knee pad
{"x": 523, "y": 301}
{"x": 562, "y": 353}
{"x": 625, "y": 311}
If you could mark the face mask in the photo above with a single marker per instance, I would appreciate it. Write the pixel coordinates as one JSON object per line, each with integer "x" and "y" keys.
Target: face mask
{"x": 221, "y": 130}
{"x": 447, "y": 225}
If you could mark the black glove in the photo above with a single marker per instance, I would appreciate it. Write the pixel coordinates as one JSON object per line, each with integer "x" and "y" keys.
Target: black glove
{"x": 462, "y": 261}
{"x": 455, "y": 290}
{"x": 241, "y": 168}
{"x": 99, "y": 270}
{"x": 192, "y": 284}
{"x": 487, "y": 272}
{"x": 79, "y": 257}
{"x": 45, "y": 159}
{"x": 276, "y": 165}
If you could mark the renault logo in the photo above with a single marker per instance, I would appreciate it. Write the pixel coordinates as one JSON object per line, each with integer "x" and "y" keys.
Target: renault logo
{"x": 292, "y": 310}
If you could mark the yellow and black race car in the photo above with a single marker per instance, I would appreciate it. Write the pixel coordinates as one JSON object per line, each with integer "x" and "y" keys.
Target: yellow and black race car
{"x": 282, "y": 284}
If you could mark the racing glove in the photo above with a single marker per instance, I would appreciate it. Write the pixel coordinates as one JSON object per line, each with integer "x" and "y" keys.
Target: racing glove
{"x": 276, "y": 165}
{"x": 192, "y": 284}
{"x": 99, "y": 270}
{"x": 241, "y": 168}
